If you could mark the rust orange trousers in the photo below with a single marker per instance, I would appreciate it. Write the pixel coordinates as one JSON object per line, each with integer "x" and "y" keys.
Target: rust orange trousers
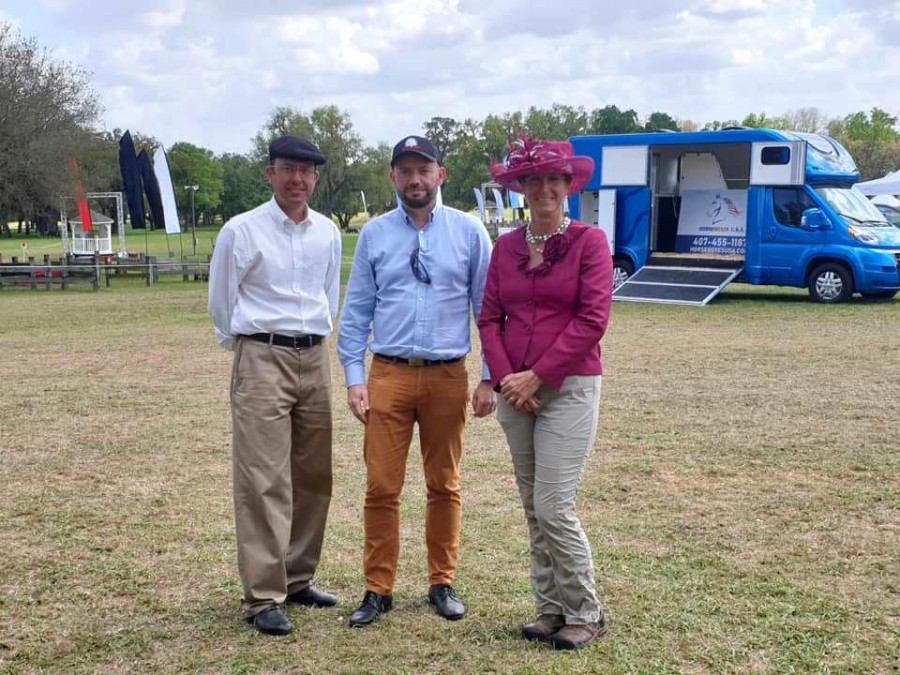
{"x": 401, "y": 396}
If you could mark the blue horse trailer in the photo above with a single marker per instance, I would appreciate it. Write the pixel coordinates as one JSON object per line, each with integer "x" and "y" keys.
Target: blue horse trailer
{"x": 688, "y": 212}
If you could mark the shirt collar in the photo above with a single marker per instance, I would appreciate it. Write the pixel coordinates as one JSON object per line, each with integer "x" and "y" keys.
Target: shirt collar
{"x": 286, "y": 221}
{"x": 409, "y": 221}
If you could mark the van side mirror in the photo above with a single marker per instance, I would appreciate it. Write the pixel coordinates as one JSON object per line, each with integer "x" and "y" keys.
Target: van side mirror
{"x": 813, "y": 220}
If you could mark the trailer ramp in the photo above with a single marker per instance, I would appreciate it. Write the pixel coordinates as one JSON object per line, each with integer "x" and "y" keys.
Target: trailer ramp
{"x": 676, "y": 285}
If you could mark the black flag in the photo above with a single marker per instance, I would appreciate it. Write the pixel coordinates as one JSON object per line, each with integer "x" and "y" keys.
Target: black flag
{"x": 151, "y": 188}
{"x": 131, "y": 179}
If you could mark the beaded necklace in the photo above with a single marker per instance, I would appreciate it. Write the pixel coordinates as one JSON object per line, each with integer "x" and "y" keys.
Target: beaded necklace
{"x": 538, "y": 240}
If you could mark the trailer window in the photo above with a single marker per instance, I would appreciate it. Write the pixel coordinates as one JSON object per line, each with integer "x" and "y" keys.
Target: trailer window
{"x": 778, "y": 156}
{"x": 789, "y": 205}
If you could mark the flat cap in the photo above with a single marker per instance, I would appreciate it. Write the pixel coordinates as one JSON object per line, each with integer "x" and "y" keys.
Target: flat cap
{"x": 416, "y": 145}
{"x": 291, "y": 147}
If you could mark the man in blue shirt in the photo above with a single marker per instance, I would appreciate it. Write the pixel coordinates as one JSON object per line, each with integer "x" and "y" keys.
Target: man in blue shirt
{"x": 418, "y": 276}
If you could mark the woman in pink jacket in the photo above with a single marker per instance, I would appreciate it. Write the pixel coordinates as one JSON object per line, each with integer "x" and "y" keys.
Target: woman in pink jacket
{"x": 546, "y": 307}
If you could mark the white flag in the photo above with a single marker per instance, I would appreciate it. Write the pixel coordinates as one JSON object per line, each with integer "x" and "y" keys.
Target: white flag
{"x": 166, "y": 191}
{"x": 480, "y": 199}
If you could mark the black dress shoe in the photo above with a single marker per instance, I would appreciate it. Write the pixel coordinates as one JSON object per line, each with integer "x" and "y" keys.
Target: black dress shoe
{"x": 445, "y": 602}
{"x": 312, "y": 597}
{"x": 272, "y": 621}
{"x": 373, "y": 606}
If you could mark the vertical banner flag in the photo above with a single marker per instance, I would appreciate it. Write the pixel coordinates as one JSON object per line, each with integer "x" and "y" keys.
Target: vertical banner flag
{"x": 166, "y": 191}
{"x": 479, "y": 198}
{"x": 151, "y": 189}
{"x": 80, "y": 196}
{"x": 131, "y": 179}
{"x": 501, "y": 208}
{"x": 516, "y": 200}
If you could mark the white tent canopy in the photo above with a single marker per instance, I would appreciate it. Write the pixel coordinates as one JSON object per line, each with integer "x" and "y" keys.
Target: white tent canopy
{"x": 886, "y": 185}
{"x": 886, "y": 199}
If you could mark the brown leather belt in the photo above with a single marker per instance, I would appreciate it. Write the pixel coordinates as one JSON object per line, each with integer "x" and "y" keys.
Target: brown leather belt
{"x": 416, "y": 363}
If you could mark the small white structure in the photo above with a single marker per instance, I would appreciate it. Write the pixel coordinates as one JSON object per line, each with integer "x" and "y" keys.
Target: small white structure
{"x": 78, "y": 242}
{"x": 98, "y": 240}
{"x": 490, "y": 203}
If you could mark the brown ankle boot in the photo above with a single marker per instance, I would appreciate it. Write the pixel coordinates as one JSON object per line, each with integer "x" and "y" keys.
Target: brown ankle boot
{"x": 577, "y": 636}
{"x": 543, "y": 627}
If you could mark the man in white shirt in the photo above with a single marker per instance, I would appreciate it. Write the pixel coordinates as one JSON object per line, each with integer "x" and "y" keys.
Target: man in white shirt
{"x": 273, "y": 296}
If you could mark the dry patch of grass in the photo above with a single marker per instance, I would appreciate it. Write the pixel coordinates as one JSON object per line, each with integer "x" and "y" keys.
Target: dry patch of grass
{"x": 742, "y": 501}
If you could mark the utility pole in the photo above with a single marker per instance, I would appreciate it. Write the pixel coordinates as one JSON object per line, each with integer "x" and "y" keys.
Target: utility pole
{"x": 193, "y": 189}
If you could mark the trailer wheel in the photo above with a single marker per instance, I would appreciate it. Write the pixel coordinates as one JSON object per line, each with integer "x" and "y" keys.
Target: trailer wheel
{"x": 830, "y": 283}
{"x": 622, "y": 270}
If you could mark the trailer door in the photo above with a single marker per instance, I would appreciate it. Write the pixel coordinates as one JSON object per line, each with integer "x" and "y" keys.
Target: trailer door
{"x": 598, "y": 207}
{"x": 778, "y": 163}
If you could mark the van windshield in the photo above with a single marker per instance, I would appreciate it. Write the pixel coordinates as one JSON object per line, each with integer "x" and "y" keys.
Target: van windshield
{"x": 852, "y": 204}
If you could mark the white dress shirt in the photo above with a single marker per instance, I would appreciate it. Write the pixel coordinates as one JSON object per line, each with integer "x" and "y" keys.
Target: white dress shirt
{"x": 271, "y": 275}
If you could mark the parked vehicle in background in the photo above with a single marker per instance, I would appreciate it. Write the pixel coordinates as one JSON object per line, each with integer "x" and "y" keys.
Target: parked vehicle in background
{"x": 892, "y": 213}
{"x": 688, "y": 212}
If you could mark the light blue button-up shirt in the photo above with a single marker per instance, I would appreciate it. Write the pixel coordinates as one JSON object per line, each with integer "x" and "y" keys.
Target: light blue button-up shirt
{"x": 404, "y": 316}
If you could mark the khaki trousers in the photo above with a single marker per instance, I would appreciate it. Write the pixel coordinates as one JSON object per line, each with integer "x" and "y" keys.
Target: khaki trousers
{"x": 400, "y": 396}
{"x": 281, "y": 422}
{"x": 549, "y": 451}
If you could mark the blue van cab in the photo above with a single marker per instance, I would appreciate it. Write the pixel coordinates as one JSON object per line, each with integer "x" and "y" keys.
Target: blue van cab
{"x": 686, "y": 213}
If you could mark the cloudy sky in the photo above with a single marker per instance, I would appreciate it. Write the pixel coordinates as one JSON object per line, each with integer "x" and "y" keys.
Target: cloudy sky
{"x": 211, "y": 71}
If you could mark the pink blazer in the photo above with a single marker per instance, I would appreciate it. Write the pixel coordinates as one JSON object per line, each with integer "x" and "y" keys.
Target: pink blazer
{"x": 549, "y": 318}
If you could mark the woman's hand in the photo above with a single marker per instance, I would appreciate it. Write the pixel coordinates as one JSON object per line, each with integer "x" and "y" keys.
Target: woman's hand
{"x": 530, "y": 405}
{"x": 518, "y": 390}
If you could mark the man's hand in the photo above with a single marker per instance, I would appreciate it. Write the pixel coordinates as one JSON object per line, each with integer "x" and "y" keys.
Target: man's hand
{"x": 518, "y": 390}
{"x": 484, "y": 400}
{"x": 358, "y": 400}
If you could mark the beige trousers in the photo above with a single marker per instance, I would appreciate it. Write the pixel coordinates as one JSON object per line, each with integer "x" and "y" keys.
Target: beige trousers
{"x": 550, "y": 448}
{"x": 281, "y": 423}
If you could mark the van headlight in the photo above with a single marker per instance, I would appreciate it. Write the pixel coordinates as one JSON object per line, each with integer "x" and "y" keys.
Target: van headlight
{"x": 862, "y": 235}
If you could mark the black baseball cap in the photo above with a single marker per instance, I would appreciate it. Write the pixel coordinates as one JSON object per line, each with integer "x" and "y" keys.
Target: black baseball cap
{"x": 416, "y": 145}
{"x": 291, "y": 147}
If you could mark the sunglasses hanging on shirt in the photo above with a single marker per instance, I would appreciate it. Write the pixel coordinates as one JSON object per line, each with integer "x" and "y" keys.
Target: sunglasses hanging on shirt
{"x": 418, "y": 268}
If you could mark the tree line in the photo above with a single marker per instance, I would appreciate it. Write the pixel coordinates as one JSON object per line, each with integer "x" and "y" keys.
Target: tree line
{"x": 49, "y": 114}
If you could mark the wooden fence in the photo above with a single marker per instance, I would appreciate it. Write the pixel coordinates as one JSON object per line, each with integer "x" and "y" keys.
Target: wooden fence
{"x": 95, "y": 270}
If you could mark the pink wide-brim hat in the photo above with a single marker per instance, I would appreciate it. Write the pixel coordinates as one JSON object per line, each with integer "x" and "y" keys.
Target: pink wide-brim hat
{"x": 534, "y": 157}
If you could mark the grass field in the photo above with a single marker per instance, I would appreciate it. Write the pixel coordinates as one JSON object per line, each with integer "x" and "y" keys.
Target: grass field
{"x": 743, "y": 501}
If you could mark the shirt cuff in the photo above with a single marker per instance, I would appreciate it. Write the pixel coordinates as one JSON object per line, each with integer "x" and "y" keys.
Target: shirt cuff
{"x": 554, "y": 380}
{"x": 225, "y": 341}
{"x": 355, "y": 373}
{"x": 495, "y": 379}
